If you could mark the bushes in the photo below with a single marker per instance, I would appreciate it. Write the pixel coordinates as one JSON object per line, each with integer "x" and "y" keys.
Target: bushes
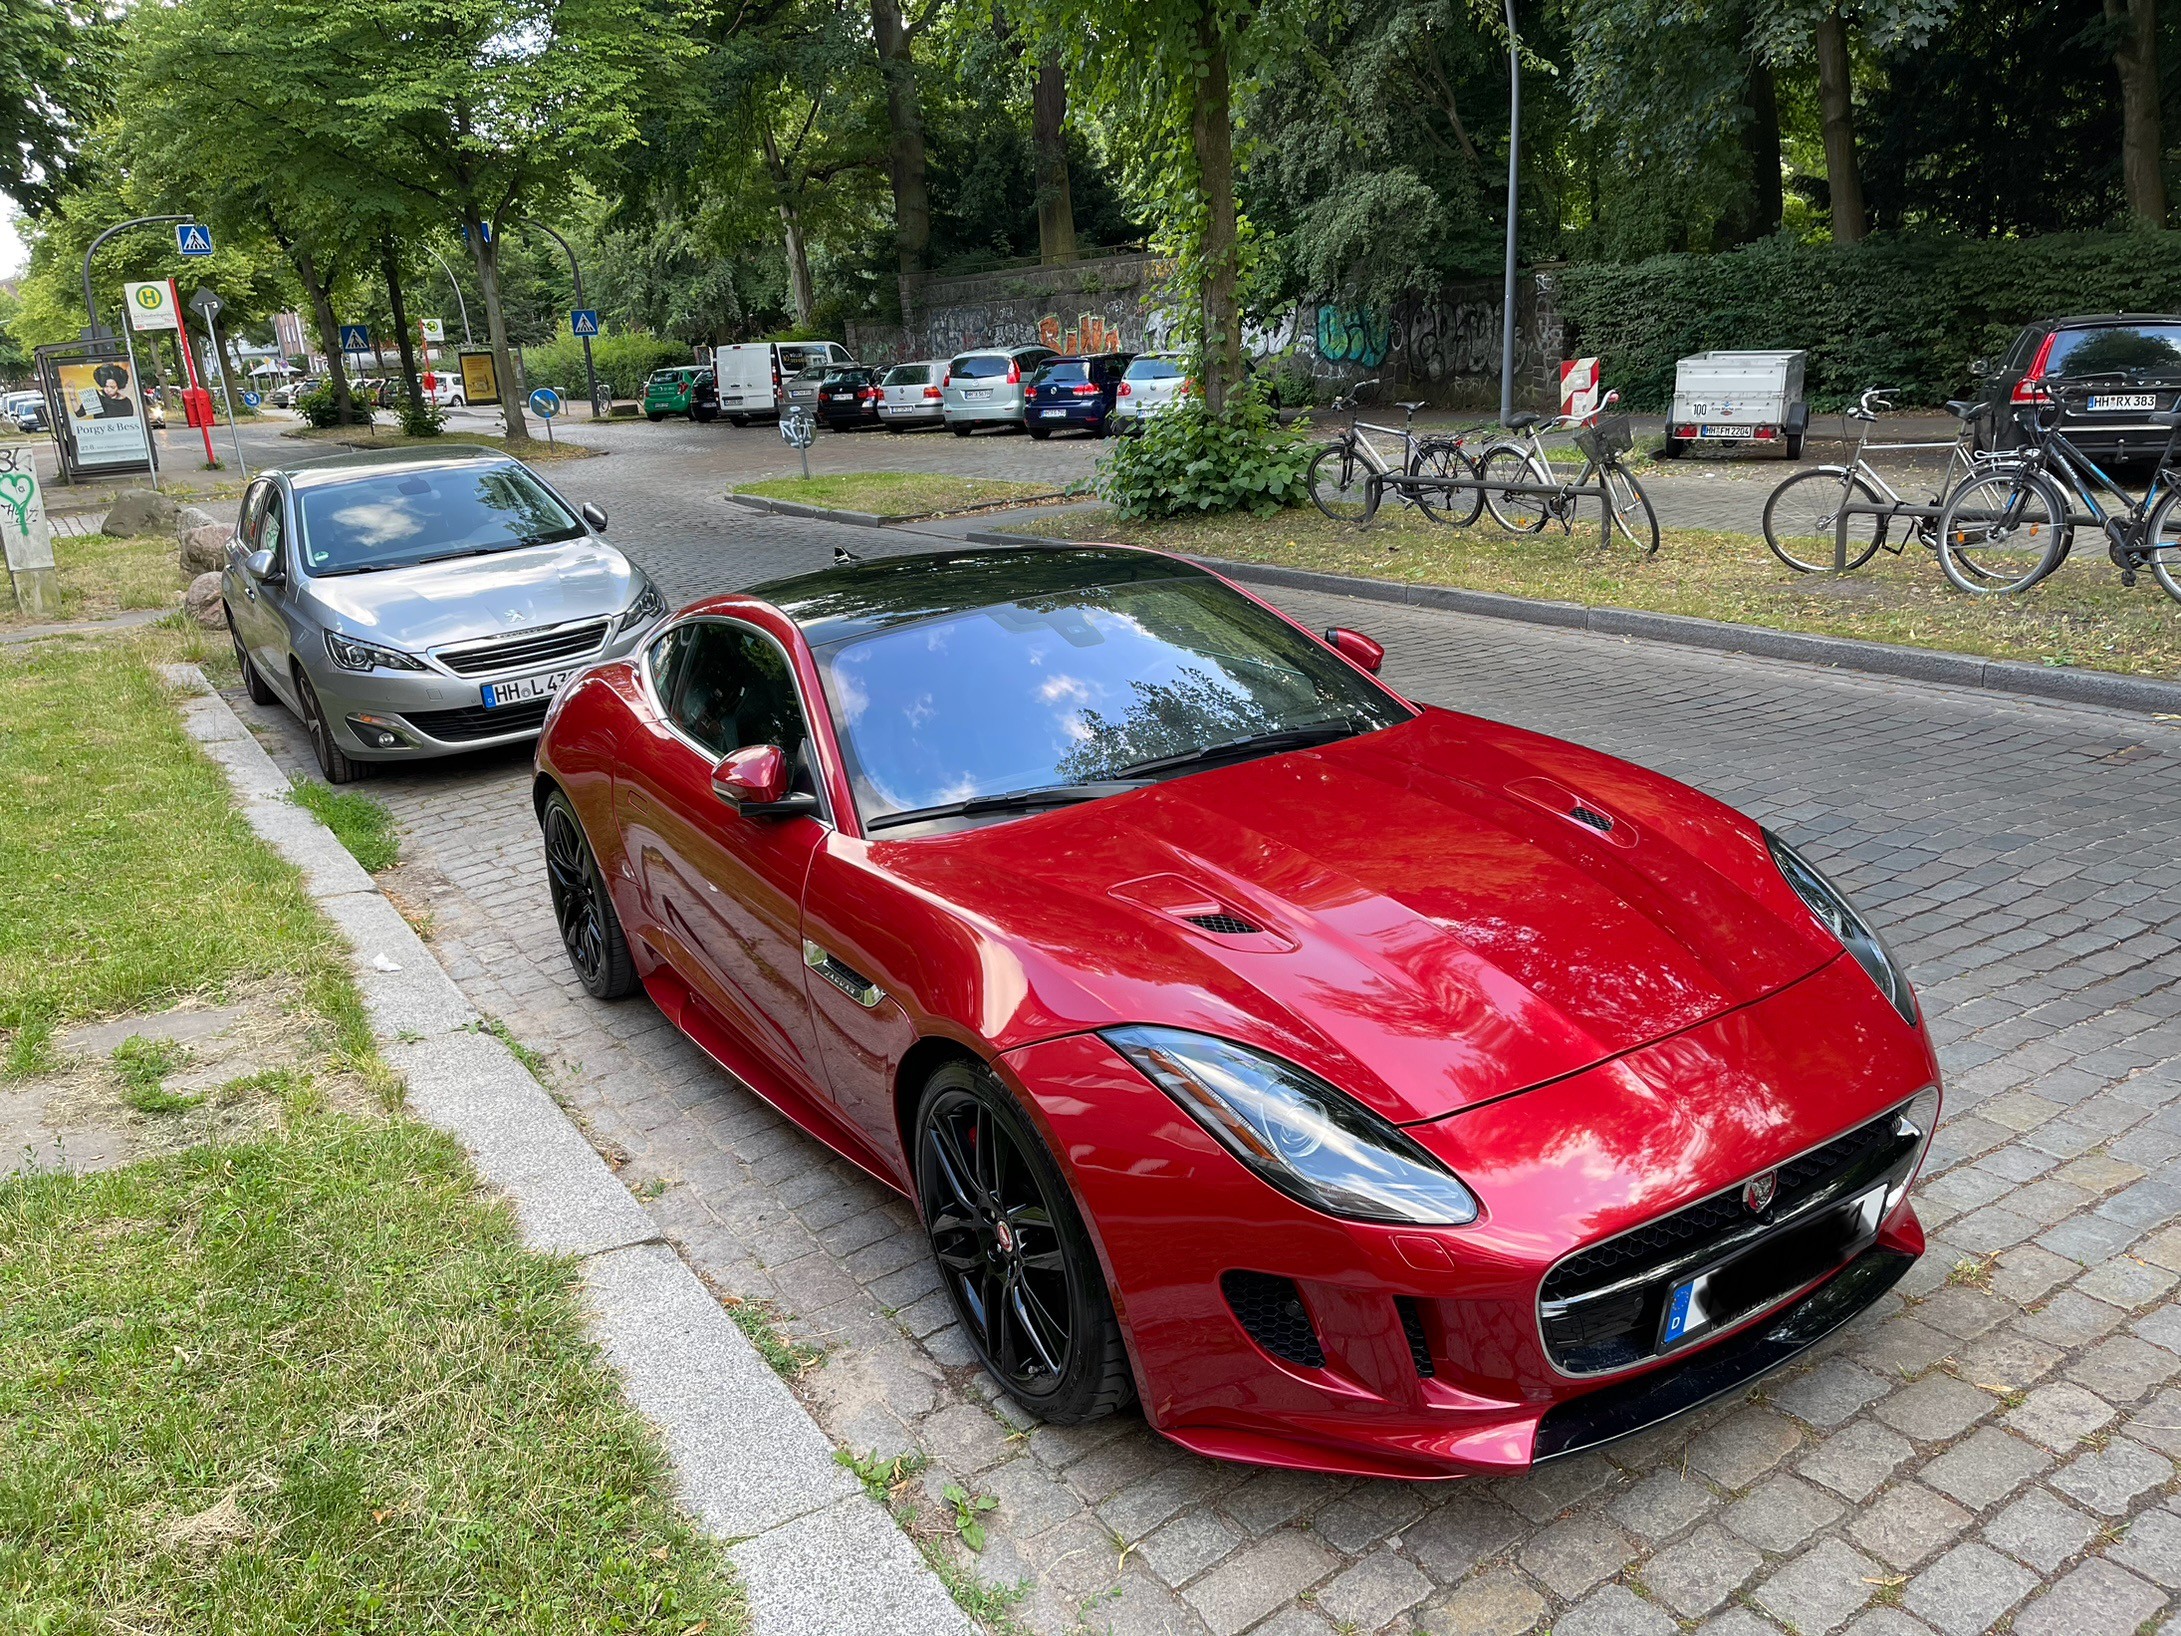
{"x": 1186, "y": 460}
{"x": 624, "y": 362}
{"x": 1908, "y": 312}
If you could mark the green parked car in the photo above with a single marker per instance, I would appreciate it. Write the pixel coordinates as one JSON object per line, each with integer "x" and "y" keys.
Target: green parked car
{"x": 688, "y": 390}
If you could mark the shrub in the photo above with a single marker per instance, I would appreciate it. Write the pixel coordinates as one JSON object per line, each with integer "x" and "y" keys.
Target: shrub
{"x": 624, "y": 362}
{"x": 1906, "y": 311}
{"x": 420, "y": 418}
{"x": 1189, "y": 460}
{"x": 317, "y": 407}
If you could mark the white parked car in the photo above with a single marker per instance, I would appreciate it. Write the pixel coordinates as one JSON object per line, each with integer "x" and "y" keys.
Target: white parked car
{"x": 984, "y": 387}
{"x": 911, "y": 395}
{"x": 1151, "y": 382}
{"x": 442, "y": 389}
{"x": 753, "y": 375}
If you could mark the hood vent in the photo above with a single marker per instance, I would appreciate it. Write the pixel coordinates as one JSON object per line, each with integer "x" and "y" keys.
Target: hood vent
{"x": 1225, "y": 925}
{"x": 1209, "y": 910}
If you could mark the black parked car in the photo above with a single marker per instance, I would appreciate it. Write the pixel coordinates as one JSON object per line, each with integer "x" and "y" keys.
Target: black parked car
{"x": 1075, "y": 391}
{"x": 2128, "y": 365}
{"x": 848, "y": 399}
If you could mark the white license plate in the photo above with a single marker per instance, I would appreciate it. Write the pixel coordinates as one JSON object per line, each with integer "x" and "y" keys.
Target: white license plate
{"x": 1054, "y": 414}
{"x": 2124, "y": 400}
{"x": 524, "y": 687}
{"x": 1726, "y": 431}
{"x": 973, "y": 393}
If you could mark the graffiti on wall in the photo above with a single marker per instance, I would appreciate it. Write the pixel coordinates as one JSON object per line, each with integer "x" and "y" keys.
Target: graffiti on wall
{"x": 1089, "y": 332}
{"x": 1353, "y": 335}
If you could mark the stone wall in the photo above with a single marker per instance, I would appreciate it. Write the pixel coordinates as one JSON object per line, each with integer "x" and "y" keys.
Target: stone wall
{"x": 1443, "y": 347}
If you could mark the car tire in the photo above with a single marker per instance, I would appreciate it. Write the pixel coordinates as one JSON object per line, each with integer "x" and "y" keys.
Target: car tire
{"x": 590, "y": 928}
{"x": 992, "y": 1278}
{"x": 654, "y": 416}
{"x": 738, "y": 420}
{"x": 457, "y": 402}
{"x": 1038, "y": 432}
{"x": 255, "y": 685}
{"x": 704, "y": 417}
{"x": 333, "y": 761}
{"x": 960, "y": 431}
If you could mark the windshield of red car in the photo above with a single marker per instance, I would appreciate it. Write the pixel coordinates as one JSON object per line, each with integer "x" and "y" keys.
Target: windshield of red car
{"x": 1076, "y": 687}
{"x": 398, "y": 519}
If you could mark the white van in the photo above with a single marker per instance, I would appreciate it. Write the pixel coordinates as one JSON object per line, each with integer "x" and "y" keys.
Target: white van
{"x": 753, "y": 375}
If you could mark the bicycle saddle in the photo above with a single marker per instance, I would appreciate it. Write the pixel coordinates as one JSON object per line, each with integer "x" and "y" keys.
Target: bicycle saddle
{"x": 1524, "y": 421}
{"x": 1410, "y": 407}
{"x": 1960, "y": 408}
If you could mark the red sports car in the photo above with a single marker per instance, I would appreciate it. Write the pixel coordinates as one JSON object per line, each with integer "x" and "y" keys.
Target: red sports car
{"x": 1364, "y": 1087}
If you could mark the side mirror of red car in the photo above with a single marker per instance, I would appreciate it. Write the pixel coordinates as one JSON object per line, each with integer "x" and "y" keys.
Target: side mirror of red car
{"x": 754, "y": 781}
{"x": 1356, "y": 647}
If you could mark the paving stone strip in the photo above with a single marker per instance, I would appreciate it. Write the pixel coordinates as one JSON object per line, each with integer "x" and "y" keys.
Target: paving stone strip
{"x": 815, "y": 1554}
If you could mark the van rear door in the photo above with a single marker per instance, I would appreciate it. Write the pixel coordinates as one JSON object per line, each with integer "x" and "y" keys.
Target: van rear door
{"x": 745, "y": 375}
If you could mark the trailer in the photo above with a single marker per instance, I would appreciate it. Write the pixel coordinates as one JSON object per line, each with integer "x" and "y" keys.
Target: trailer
{"x": 1738, "y": 397}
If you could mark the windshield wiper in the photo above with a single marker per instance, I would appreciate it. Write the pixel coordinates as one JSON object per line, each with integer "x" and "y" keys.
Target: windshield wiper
{"x": 1046, "y": 795}
{"x": 1285, "y": 738}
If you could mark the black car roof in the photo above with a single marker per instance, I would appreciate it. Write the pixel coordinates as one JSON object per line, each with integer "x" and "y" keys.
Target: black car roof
{"x": 857, "y": 598}
{"x": 2097, "y": 320}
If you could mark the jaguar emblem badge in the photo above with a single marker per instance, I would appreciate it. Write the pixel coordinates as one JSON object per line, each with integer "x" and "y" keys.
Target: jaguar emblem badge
{"x": 1759, "y": 1191}
{"x": 1005, "y": 1234}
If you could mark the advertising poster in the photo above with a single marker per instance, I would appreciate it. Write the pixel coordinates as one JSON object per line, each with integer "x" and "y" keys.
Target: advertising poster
{"x": 480, "y": 381}
{"x": 105, "y": 416}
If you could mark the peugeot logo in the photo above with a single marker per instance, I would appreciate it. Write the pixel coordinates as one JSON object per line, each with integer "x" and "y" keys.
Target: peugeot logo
{"x": 1759, "y": 1191}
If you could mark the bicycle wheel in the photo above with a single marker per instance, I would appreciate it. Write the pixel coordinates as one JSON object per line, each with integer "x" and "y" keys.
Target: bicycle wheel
{"x": 1505, "y": 463}
{"x": 2002, "y": 532}
{"x": 1457, "y": 508}
{"x": 1340, "y": 484}
{"x": 1803, "y": 512}
{"x": 1632, "y": 513}
{"x": 2163, "y": 535}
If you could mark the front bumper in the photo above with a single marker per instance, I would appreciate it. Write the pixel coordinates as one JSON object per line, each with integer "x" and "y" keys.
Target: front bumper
{"x": 431, "y": 713}
{"x": 1425, "y": 1354}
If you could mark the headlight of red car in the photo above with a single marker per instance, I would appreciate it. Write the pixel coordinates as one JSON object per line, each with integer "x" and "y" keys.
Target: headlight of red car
{"x": 1838, "y": 916}
{"x": 1296, "y": 1131}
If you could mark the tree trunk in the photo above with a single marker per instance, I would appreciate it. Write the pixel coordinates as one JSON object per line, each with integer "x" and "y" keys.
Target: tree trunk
{"x": 905, "y": 147}
{"x": 391, "y": 264}
{"x": 1049, "y": 135}
{"x": 1761, "y": 144}
{"x": 1212, "y": 135}
{"x": 1836, "y": 110}
{"x": 329, "y": 330}
{"x": 801, "y": 296}
{"x": 486, "y": 253}
{"x": 2141, "y": 142}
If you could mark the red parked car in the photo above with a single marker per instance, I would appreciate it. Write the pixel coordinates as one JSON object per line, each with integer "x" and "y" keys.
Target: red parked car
{"x": 1364, "y": 1087}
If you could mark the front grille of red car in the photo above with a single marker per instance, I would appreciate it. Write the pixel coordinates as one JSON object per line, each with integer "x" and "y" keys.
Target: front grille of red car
{"x": 1601, "y": 1308}
{"x": 1271, "y": 1309}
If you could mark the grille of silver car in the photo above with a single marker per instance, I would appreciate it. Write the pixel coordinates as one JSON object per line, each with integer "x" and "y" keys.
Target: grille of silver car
{"x": 524, "y": 650}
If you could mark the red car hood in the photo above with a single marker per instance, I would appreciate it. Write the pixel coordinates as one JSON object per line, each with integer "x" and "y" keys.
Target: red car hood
{"x": 1432, "y": 927}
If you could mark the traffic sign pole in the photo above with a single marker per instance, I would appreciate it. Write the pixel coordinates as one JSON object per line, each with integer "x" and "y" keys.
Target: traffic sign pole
{"x": 209, "y": 304}
{"x": 189, "y": 369}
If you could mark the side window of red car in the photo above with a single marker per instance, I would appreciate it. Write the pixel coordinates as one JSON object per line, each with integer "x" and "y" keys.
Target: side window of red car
{"x": 732, "y": 688}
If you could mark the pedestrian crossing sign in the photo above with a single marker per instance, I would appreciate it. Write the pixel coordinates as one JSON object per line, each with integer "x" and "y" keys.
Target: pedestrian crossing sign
{"x": 193, "y": 239}
{"x": 584, "y": 321}
{"x": 355, "y": 338}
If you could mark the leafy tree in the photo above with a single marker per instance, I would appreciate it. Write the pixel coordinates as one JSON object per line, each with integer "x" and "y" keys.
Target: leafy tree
{"x": 54, "y": 79}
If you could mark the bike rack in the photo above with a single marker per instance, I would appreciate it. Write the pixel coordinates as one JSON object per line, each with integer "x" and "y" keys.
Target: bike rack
{"x": 1408, "y": 483}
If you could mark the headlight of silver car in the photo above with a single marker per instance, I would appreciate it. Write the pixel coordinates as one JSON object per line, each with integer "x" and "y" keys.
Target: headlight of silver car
{"x": 351, "y": 654}
{"x": 1838, "y": 916}
{"x": 1296, "y": 1131}
{"x": 648, "y": 606}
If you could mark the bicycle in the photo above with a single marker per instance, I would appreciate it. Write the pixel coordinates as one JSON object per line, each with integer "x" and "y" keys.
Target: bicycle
{"x": 1834, "y": 519}
{"x": 1995, "y": 525}
{"x": 1523, "y": 495}
{"x": 1347, "y": 476}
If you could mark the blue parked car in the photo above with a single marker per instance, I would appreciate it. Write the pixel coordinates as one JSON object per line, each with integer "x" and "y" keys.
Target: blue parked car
{"x": 1076, "y": 392}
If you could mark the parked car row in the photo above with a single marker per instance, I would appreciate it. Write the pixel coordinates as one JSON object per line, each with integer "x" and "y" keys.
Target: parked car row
{"x": 24, "y": 411}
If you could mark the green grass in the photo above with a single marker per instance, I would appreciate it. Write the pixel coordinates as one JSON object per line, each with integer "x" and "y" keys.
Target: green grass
{"x": 361, "y": 824}
{"x": 2080, "y": 616}
{"x": 127, "y": 877}
{"x": 143, "y": 1066}
{"x": 101, "y": 575}
{"x": 896, "y": 493}
{"x": 314, "y": 1383}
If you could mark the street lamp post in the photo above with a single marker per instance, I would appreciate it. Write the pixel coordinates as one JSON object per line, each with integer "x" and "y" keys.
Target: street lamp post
{"x": 467, "y": 340}
{"x": 589, "y": 369}
{"x": 1514, "y": 155}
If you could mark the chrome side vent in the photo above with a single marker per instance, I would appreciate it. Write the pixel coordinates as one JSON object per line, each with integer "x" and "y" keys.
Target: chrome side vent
{"x": 842, "y": 976}
{"x": 1225, "y": 925}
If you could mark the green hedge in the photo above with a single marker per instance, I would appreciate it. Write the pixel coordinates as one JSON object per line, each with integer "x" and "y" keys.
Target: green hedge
{"x": 1907, "y": 312}
{"x": 624, "y": 362}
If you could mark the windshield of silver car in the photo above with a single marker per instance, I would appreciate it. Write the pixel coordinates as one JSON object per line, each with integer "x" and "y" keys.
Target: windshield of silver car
{"x": 1074, "y": 687}
{"x": 398, "y": 519}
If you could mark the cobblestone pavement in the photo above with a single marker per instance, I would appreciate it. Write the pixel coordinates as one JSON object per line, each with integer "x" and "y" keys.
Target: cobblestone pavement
{"x": 1994, "y": 1442}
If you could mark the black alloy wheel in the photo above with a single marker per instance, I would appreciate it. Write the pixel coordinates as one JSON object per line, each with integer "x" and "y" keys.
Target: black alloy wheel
{"x": 1013, "y": 1253}
{"x": 333, "y": 761}
{"x": 590, "y": 930}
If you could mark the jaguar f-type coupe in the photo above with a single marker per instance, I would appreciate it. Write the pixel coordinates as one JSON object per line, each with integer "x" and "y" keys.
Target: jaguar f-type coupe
{"x": 1364, "y": 1087}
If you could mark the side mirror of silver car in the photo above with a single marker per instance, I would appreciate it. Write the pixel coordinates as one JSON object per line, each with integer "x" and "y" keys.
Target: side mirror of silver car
{"x": 259, "y": 566}
{"x": 595, "y": 515}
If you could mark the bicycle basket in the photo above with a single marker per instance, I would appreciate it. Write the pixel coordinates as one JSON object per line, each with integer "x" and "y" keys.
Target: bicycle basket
{"x": 1608, "y": 436}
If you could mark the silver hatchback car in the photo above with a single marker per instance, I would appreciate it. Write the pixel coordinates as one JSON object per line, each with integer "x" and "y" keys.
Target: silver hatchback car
{"x": 422, "y": 602}
{"x": 985, "y": 387}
